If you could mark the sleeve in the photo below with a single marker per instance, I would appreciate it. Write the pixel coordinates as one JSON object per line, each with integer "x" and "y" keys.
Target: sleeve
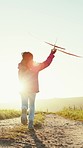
{"x": 44, "y": 64}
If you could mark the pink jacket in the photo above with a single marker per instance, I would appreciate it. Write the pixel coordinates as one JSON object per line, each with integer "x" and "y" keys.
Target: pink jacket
{"x": 29, "y": 77}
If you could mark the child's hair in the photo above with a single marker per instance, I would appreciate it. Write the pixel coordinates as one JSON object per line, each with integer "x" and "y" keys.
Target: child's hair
{"x": 27, "y": 55}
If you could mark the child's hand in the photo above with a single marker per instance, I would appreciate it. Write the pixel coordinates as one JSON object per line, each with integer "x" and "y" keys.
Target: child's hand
{"x": 53, "y": 51}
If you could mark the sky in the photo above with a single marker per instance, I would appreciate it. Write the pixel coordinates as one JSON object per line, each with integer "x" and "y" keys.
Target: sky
{"x": 24, "y": 26}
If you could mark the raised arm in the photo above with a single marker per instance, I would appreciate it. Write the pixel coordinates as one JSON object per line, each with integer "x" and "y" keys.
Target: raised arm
{"x": 47, "y": 62}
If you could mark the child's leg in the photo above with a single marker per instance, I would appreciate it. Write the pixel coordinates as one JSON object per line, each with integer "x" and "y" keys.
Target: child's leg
{"x": 24, "y": 101}
{"x": 31, "y": 108}
{"x": 24, "y": 109}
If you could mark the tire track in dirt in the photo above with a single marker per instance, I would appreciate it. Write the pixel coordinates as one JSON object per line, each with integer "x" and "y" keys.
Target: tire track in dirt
{"x": 56, "y": 132}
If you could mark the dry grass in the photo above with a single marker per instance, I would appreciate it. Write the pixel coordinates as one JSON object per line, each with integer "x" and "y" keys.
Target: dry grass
{"x": 72, "y": 113}
{"x": 7, "y": 114}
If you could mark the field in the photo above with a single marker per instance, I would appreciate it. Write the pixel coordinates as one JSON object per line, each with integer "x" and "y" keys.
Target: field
{"x": 53, "y": 105}
{"x": 69, "y": 107}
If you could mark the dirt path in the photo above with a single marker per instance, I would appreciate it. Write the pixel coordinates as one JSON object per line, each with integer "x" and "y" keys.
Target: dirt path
{"x": 56, "y": 132}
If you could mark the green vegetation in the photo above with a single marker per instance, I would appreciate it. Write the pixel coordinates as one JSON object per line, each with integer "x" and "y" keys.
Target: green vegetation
{"x": 72, "y": 113}
{"x": 7, "y": 114}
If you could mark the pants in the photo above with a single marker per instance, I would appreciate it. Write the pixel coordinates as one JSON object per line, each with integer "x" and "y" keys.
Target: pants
{"x": 28, "y": 101}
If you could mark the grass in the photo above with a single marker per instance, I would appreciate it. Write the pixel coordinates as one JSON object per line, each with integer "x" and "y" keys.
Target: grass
{"x": 7, "y": 114}
{"x": 39, "y": 119}
{"x": 72, "y": 113}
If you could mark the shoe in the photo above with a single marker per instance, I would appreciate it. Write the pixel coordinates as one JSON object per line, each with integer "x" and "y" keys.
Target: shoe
{"x": 24, "y": 117}
{"x": 30, "y": 125}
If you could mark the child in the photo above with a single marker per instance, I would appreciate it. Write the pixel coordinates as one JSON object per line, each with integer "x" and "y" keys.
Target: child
{"x": 28, "y": 77}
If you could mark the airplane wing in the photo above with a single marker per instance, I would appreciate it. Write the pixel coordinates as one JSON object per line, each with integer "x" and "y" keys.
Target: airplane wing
{"x": 58, "y": 48}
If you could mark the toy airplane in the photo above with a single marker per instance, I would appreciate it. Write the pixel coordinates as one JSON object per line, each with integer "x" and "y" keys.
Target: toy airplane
{"x": 59, "y": 49}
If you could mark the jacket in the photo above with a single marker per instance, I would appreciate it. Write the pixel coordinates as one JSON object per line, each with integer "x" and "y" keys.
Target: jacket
{"x": 28, "y": 77}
